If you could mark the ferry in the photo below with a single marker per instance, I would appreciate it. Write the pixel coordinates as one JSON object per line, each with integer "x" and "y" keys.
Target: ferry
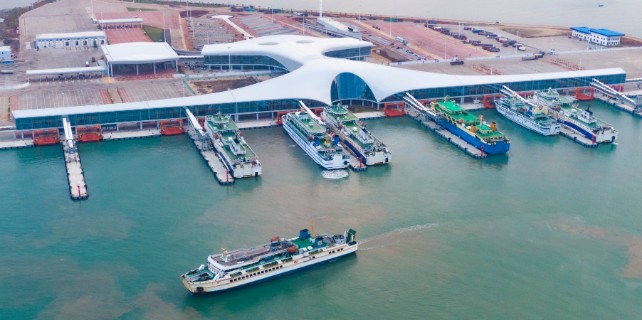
{"x": 473, "y": 130}
{"x": 241, "y": 267}
{"x": 354, "y": 134}
{"x": 529, "y": 116}
{"x": 566, "y": 111}
{"x": 311, "y": 134}
{"x": 229, "y": 143}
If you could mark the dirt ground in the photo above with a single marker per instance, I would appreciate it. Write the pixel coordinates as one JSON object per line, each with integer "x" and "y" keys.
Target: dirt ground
{"x": 211, "y": 86}
{"x": 535, "y": 32}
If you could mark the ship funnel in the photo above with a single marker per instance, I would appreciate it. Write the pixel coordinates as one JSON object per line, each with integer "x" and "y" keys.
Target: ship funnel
{"x": 304, "y": 234}
{"x": 351, "y": 236}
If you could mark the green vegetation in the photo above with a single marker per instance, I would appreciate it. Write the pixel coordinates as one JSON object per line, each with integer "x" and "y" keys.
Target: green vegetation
{"x": 156, "y": 34}
{"x": 140, "y": 9}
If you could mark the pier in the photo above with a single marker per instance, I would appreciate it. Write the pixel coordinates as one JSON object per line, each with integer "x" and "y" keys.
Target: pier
{"x": 428, "y": 119}
{"x": 205, "y": 148}
{"x": 73, "y": 166}
{"x": 576, "y": 137}
{"x": 617, "y": 99}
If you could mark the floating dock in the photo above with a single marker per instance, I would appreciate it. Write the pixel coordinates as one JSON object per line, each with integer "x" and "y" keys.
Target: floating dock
{"x": 622, "y": 106}
{"x": 205, "y": 148}
{"x": 73, "y": 166}
{"x": 576, "y": 137}
{"x": 354, "y": 163}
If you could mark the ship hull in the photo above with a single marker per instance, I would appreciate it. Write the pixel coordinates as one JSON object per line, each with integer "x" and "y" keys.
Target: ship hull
{"x": 373, "y": 158}
{"x": 527, "y": 123}
{"x": 337, "y": 162}
{"x": 297, "y": 264}
{"x": 241, "y": 170}
{"x": 605, "y": 135}
{"x": 499, "y": 147}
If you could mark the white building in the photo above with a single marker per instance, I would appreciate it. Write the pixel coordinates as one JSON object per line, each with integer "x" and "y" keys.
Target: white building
{"x": 130, "y": 57}
{"x": 5, "y": 53}
{"x": 603, "y": 37}
{"x": 69, "y": 40}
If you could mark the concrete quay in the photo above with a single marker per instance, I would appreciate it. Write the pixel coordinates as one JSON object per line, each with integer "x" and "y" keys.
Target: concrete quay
{"x": 576, "y": 137}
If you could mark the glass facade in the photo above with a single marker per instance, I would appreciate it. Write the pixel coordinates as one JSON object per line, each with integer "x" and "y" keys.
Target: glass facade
{"x": 242, "y": 62}
{"x": 351, "y": 54}
{"x": 347, "y": 86}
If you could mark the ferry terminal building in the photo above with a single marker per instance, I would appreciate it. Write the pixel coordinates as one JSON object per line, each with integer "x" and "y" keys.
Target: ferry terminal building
{"x": 319, "y": 72}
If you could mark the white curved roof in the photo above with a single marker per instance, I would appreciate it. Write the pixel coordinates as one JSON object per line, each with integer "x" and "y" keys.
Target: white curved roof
{"x": 139, "y": 52}
{"x": 311, "y": 76}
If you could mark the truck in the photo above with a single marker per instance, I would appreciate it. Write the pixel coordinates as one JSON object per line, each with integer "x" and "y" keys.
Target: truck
{"x": 456, "y": 62}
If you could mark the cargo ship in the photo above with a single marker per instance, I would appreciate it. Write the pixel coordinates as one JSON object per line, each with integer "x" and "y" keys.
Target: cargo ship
{"x": 472, "y": 129}
{"x": 530, "y": 116}
{"x": 354, "y": 134}
{"x": 229, "y": 143}
{"x": 566, "y": 111}
{"x": 241, "y": 267}
{"x": 311, "y": 134}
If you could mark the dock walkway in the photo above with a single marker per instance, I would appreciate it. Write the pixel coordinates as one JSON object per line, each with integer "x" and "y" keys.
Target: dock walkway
{"x": 75, "y": 174}
{"x": 131, "y": 134}
{"x": 619, "y": 105}
{"x": 576, "y": 137}
{"x": 16, "y": 144}
{"x": 468, "y": 148}
{"x": 212, "y": 159}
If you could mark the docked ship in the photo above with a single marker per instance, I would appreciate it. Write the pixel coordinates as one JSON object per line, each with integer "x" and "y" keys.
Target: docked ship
{"x": 229, "y": 143}
{"x": 311, "y": 134}
{"x": 472, "y": 129}
{"x": 241, "y": 267}
{"x": 354, "y": 134}
{"x": 566, "y": 111}
{"x": 530, "y": 116}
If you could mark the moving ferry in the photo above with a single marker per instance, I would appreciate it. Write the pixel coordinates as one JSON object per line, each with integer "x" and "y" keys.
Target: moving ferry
{"x": 311, "y": 134}
{"x": 279, "y": 256}
{"x": 354, "y": 134}
{"x": 566, "y": 111}
{"x": 231, "y": 146}
{"x": 473, "y": 130}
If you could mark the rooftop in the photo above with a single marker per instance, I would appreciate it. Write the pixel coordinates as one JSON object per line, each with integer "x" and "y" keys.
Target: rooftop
{"x": 72, "y": 35}
{"x": 139, "y": 52}
{"x": 604, "y": 32}
{"x": 123, "y": 20}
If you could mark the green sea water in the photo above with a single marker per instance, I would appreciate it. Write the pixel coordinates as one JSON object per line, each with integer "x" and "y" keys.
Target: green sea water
{"x": 551, "y": 231}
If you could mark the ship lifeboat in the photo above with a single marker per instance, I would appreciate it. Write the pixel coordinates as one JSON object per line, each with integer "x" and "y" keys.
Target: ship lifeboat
{"x": 292, "y": 250}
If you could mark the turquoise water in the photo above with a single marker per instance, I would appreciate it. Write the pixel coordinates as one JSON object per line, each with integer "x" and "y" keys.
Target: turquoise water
{"x": 552, "y": 230}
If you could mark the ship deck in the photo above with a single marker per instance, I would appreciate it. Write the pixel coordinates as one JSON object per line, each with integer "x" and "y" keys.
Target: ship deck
{"x": 249, "y": 153}
{"x": 309, "y": 124}
{"x": 341, "y": 114}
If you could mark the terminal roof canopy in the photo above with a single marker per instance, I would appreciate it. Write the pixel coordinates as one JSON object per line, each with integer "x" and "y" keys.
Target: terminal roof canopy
{"x": 310, "y": 78}
{"x": 139, "y": 52}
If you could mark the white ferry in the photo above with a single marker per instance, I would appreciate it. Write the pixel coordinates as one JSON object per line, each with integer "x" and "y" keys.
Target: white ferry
{"x": 246, "y": 266}
{"x": 532, "y": 117}
{"x": 566, "y": 111}
{"x": 311, "y": 134}
{"x": 354, "y": 134}
{"x": 229, "y": 143}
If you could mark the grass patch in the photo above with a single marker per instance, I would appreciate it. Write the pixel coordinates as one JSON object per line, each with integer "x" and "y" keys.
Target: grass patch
{"x": 156, "y": 34}
{"x": 140, "y": 9}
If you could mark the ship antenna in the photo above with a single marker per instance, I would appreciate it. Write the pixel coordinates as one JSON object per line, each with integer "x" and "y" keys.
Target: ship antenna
{"x": 312, "y": 230}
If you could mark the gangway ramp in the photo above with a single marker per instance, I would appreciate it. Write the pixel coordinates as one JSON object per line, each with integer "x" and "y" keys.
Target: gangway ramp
{"x": 622, "y": 101}
{"x": 73, "y": 166}
{"x": 204, "y": 145}
{"x": 430, "y": 120}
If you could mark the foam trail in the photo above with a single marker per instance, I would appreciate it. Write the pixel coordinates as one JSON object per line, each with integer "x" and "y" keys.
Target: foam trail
{"x": 334, "y": 174}
{"x": 395, "y": 232}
